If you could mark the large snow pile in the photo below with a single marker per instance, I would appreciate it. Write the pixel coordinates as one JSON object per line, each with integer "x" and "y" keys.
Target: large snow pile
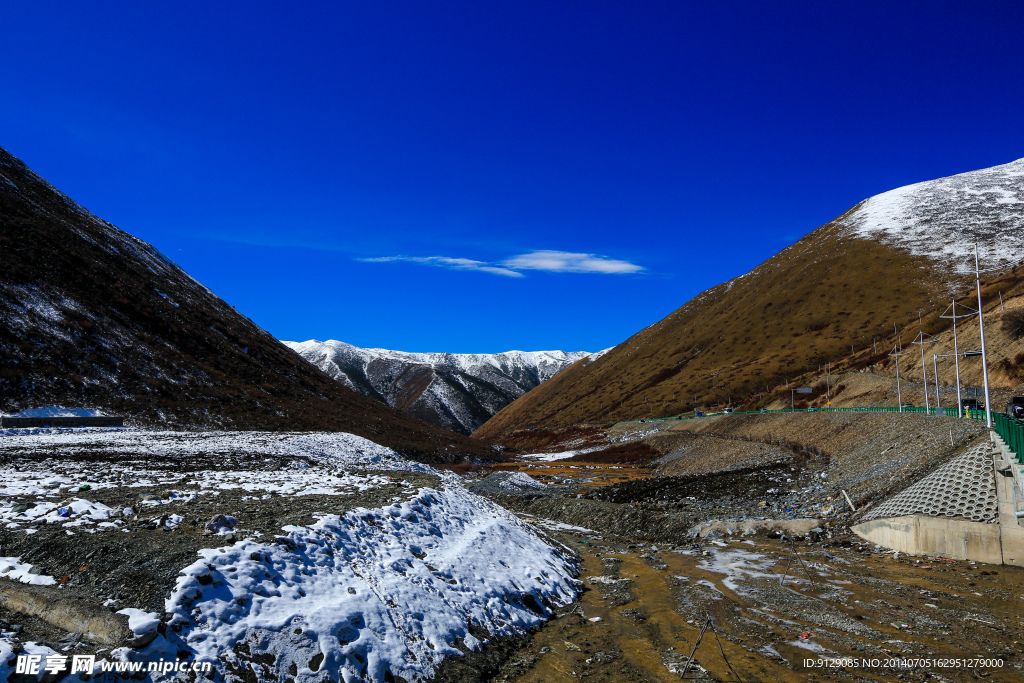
{"x": 370, "y": 592}
{"x": 943, "y": 218}
{"x": 359, "y": 595}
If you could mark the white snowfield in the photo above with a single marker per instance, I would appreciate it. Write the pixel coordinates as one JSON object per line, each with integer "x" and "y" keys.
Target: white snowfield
{"x": 942, "y": 219}
{"x": 327, "y": 448}
{"x": 351, "y": 597}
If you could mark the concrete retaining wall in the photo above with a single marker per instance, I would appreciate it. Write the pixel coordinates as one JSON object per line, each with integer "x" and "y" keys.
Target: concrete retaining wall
{"x": 960, "y": 539}
{"x": 923, "y": 535}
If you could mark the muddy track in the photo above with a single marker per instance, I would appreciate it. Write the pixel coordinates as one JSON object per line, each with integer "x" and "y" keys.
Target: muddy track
{"x": 773, "y": 606}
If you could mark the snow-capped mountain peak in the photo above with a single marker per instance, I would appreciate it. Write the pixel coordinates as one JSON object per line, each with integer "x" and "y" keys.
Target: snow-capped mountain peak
{"x": 943, "y": 219}
{"x": 458, "y": 391}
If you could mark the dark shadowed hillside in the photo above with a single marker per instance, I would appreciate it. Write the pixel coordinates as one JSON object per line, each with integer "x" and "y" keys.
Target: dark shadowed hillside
{"x": 91, "y": 316}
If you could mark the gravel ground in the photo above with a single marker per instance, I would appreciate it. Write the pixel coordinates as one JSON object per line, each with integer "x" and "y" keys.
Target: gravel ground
{"x": 774, "y": 605}
{"x": 136, "y": 563}
{"x": 870, "y": 455}
{"x": 689, "y": 453}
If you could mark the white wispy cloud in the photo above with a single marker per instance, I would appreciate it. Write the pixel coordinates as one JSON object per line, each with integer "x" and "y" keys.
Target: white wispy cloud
{"x": 447, "y": 262}
{"x": 570, "y": 262}
{"x": 544, "y": 260}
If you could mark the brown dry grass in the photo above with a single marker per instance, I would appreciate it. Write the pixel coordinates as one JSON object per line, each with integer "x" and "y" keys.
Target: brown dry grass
{"x": 804, "y": 306}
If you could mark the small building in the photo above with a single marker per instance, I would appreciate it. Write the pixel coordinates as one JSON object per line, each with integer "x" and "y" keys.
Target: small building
{"x": 56, "y": 416}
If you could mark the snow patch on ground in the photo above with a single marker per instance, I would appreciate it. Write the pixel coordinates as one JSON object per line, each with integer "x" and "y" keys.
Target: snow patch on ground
{"x": 550, "y": 457}
{"x": 374, "y": 590}
{"x": 13, "y": 568}
{"x": 737, "y": 565}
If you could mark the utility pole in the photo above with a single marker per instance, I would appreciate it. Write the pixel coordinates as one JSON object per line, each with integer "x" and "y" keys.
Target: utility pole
{"x": 897, "y": 348}
{"x": 935, "y": 373}
{"x": 924, "y": 367}
{"x": 981, "y": 327}
{"x": 956, "y": 351}
{"x": 828, "y": 383}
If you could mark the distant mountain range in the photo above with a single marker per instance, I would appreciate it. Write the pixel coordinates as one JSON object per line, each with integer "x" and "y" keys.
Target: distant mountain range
{"x": 843, "y": 285}
{"x": 457, "y": 391}
{"x": 91, "y": 317}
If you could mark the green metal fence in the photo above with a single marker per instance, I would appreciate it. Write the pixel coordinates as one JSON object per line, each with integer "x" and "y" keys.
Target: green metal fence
{"x": 1012, "y": 432}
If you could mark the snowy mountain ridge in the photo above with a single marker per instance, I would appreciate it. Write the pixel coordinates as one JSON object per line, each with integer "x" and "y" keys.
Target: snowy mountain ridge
{"x": 458, "y": 391}
{"x": 943, "y": 218}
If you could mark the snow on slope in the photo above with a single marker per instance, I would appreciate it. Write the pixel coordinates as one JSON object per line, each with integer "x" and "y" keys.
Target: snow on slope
{"x": 942, "y": 219}
{"x": 458, "y": 391}
{"x": 356, "y": 596}
{"x": 545, "y": 363}
{"x": 386, "y": 590}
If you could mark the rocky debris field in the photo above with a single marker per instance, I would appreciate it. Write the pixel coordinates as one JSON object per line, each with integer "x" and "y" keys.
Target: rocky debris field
{"x": 273, "y": 555}
{"x": 852, "y": 612}
{"x": 869, "y": 455}
{"x": 737, "y": 468}
{"x": 753, "y": 534}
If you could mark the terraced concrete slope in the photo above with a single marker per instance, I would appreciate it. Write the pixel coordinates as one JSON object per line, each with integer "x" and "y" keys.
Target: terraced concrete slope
{"x": 93, "y": 317}
{"x": 844, "y": 283}
{"x": 457, "y": 391}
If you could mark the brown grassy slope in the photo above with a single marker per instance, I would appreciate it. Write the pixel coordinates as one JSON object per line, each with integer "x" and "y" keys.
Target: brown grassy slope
{"x": 868, "y": 378}
{"x": 806, "y": 304}
{"x": 1005, "y": 370}
{"x": 91, "y": 316}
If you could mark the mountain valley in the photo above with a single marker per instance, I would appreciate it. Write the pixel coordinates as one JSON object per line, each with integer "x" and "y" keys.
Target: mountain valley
{"x": 457, "y": 391}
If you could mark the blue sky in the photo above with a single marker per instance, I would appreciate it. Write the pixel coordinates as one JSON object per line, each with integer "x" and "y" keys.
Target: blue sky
{"x": 478, "y": 177}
